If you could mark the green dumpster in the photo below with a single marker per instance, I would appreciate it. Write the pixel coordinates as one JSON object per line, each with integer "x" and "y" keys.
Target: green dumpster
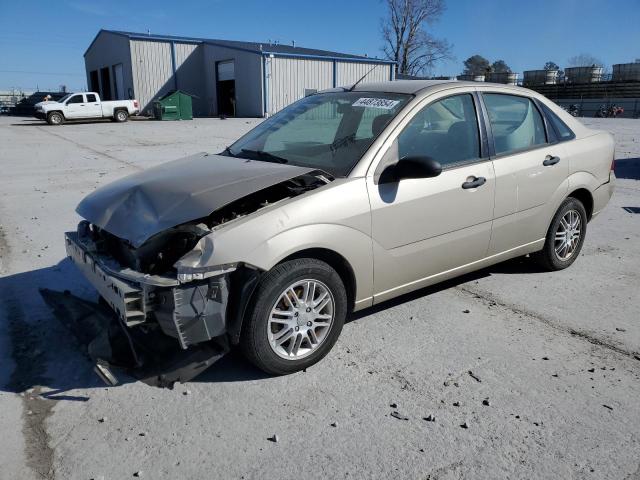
{"x": 175, "y": 105}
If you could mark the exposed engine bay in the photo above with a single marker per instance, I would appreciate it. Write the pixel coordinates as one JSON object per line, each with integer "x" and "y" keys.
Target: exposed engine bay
{"x": 159, "y": 253}
{"x": 150, "y": 322}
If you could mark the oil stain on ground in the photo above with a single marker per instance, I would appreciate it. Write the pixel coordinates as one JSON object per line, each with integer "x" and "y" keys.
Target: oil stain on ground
{"x": 26, "y": 380}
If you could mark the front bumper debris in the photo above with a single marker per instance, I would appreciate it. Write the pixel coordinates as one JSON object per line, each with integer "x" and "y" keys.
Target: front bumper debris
{"x": 191, "y": 313}
{"x": 146, "y": 354}
{"x": 151, "y": 326}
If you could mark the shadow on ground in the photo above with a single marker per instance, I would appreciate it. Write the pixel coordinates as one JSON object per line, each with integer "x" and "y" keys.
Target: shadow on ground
{"x": 628, "y": 168}
{"x": 46, "y": 354}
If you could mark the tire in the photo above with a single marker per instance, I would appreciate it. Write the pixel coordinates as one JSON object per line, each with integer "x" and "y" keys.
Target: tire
{"x": 260, "y": 335}
{"x": 121, "y": 116}
{"x": 549, "y": 257}
{"x": 55, "y": 118}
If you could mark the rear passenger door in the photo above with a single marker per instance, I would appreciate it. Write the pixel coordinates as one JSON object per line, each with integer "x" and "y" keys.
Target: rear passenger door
{"x": 93, "y": 108}
{"x": 531, "y": 170}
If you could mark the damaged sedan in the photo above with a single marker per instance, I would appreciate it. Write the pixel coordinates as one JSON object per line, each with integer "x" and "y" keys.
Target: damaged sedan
{"x": 344, "y": 199}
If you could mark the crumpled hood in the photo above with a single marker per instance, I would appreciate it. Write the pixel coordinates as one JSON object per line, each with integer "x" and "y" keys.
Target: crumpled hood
{"x": 139, "y": 206}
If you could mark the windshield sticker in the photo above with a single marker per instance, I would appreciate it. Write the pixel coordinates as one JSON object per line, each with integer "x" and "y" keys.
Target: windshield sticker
{"x": 383, "y": 103}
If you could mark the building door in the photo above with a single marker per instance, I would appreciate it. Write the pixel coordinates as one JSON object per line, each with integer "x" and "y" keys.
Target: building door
{"x": 226, "y": 87}
{"x": 118, "y": 82}
{"x": 95, "y": 83}
{"x": 105, "y": 84}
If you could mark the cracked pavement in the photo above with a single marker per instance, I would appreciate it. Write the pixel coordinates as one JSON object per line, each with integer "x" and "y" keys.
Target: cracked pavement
{"x": 542, "y": 369}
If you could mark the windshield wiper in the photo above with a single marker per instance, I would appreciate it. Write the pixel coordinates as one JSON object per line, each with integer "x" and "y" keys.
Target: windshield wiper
{"x": 266, "y": 156}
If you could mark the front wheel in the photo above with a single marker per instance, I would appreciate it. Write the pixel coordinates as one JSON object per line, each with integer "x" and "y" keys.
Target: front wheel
{"x": 55, "y": 118}
{"x": 121, "y": 116}
{"x": 565, "y": 236}
{"x": 296, "y": 316}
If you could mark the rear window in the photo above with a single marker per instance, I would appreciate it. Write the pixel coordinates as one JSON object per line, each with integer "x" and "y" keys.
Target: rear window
{"x": 91, "y": 98}
{"x": 516, "y": 123}
{"x": 563, "y": 132}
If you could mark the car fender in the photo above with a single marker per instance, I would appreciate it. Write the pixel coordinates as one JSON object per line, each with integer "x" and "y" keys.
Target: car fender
{"x": 351, "y": 244}
{"x": 583, "y": 179}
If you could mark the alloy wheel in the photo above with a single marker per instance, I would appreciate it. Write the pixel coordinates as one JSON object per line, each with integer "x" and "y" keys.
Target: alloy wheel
{"x": 301, "y": 319}
{"x": 568, "y": 234}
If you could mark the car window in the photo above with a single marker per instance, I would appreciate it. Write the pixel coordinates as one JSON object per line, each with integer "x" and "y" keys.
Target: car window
{"x": 564, "y": 133}
{"x": 446, "y": 130}
{"x": 91, "y": 97}
{"x": 329, "y": 131}
{"x": 516, "y": 123}
{"x": 75, "y": 99}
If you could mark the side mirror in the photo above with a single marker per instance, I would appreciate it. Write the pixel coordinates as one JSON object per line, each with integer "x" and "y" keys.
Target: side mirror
{"x": 411, "y": 167}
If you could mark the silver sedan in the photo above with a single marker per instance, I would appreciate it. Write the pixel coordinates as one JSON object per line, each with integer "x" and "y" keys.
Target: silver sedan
{"x": 342, "y": 200}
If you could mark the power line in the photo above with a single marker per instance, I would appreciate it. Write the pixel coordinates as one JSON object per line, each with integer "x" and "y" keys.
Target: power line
{"x": 43, "y": 73}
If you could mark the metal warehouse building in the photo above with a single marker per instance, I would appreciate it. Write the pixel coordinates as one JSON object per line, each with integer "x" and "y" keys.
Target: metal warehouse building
{"x": 224, "y": 77}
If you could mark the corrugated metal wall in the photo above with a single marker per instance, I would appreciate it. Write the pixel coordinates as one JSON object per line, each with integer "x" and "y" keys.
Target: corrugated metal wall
{"x": 152, "y": 70}
{"x": 347, "y": 73}
{"x": 183, "y": 51}
{"x": 190, "y": 74}
{"x": 287, "y": 79}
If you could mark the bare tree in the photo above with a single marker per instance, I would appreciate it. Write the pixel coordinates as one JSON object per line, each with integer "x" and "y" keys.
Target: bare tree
{"x": 406, "y": 39}
{"x": 585, "y": 60}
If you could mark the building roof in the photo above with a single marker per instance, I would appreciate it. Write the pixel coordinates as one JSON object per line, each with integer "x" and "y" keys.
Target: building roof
{"x": 263, "y": 48}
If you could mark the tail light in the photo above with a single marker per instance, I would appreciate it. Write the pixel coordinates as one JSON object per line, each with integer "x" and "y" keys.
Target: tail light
{"x": 613, "y": 166}
{"x": 136, "y": 104}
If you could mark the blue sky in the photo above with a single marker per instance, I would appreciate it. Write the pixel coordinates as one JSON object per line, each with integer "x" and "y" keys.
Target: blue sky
{"x": 42, "y": 42}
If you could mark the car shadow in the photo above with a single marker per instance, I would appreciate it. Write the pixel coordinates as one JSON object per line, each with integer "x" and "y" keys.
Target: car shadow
{"x": 41, "y": 352}
{"x": 516, "y": 266}
{"x": 628, "y": 168}
{"x": 97, "y": 121}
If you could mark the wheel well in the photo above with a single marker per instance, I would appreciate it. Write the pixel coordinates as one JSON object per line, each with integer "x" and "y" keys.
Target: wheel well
{"x": 55, "y": 111}
{"x": 337, "y": 262}
{"x": 585, "y": 197}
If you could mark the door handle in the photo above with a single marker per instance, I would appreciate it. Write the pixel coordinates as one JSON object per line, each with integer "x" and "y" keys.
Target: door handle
{"x": 477, "y": 182}
{"x": 550, "y": 160}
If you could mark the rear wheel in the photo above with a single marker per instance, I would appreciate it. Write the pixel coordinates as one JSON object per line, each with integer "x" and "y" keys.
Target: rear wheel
{"x": 121, "y": 116}
{"x": 296, "y": 316}
{"x": 565, "y": 236}
{"x": 55, "y": 118}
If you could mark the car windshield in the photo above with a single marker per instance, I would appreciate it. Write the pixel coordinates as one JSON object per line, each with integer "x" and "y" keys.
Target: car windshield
{"x": 328, "y": 131}
{"x": 64, "y": 98}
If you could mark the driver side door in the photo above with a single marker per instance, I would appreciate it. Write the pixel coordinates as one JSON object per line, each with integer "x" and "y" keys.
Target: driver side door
{"x": 75, "y": 107}
{"x": 427, "y": 229}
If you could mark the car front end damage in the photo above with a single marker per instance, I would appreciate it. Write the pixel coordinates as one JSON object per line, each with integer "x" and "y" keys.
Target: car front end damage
{"x": 141, "y": 309}
{"x": 167, "y": 311}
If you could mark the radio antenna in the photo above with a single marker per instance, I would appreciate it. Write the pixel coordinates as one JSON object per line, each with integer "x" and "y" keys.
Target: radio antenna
{"x": 361, "y": 78}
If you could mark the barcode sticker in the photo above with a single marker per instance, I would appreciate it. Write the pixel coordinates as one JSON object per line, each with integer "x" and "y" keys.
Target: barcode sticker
{"x": 383, "y": 103}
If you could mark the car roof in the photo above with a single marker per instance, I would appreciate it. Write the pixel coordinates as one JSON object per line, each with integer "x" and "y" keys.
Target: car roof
{"x": 415, "y": 87}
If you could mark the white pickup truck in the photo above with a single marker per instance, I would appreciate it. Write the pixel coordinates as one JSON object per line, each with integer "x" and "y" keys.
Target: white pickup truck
{"x": 86, "y": 105}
